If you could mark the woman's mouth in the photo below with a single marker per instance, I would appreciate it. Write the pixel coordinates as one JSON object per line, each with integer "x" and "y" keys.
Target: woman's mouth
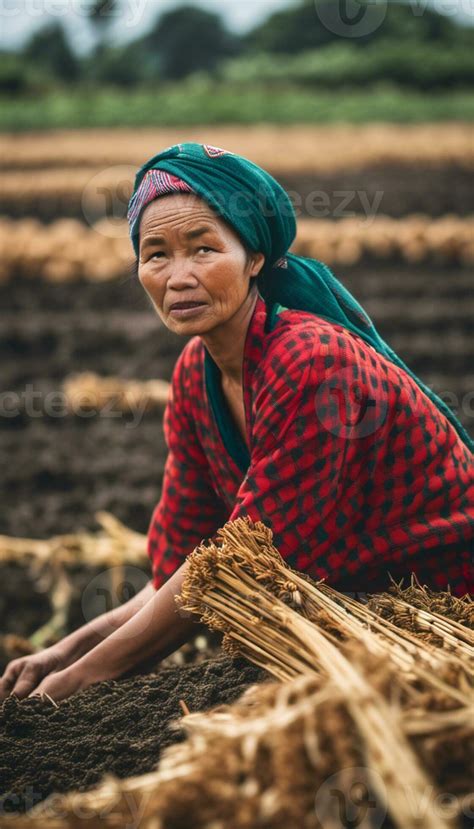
{"x": 186, "y": 309}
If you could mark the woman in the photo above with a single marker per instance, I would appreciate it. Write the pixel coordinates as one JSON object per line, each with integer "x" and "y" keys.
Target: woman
{"x": 285, "y": 405}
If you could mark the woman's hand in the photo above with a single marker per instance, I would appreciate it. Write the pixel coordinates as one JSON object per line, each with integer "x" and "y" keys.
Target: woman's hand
{"x": 154, "y": 630}
{"x": 23, "y": 675}
{"x": 63, "y": 684}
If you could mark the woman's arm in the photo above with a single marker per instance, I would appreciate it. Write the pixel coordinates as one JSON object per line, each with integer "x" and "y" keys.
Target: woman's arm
{"x": 22, "y": 675}
{"x": 155, "y": 630}
{"x": 82, "y": 640}
{"x": 188, "y": 511}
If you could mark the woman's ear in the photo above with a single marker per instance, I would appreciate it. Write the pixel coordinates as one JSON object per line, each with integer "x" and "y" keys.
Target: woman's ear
{"x": 133, "y": 268}
{"x": 257, "y": 261}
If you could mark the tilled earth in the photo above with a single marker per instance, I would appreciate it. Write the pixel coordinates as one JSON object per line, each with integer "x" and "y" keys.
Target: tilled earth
{"x": 59, "y": 469}
{"x": 394, "y": 189}
{"x": 118, "y": 727}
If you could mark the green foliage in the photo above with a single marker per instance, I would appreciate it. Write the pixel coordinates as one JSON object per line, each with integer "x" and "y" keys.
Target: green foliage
{"x": 412, "y": 47}
{"x": 49, "y": 49}
{"x": 115, "y": 66}
{"x": 15, "y": 75}
{"x": 421, "y": 65}
{"x": 199, "y": 101}
{"x": 310, "y": 25}
{"x": 290, "y": 30}
{"x": 186, "y": 40}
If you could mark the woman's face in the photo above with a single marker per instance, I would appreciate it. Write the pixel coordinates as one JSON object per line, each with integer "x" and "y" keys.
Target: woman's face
{"x": 188, "y": 254}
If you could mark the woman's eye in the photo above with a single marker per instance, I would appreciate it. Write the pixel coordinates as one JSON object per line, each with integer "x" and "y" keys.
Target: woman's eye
{"x": 157, "y": 253}
{"x": 205, "y": 247}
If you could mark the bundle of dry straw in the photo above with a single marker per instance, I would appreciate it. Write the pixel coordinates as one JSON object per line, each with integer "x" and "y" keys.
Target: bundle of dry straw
{"x": 91, "y": 392}
{"x": 363, "y": 701}
{"x": 113, "y": 544}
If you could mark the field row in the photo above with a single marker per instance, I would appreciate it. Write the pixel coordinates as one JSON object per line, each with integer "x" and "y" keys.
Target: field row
{"x": 87, "y": 394}
{"x": 414, "y": 239}
{"x": 282, "y": 149}
{"x": 69, "y": 250}
{"x": 43, "y": 351}
{"x": 90, "y": 194}
{"x": 380, "y": 282}
{"x": 76, "y": 465}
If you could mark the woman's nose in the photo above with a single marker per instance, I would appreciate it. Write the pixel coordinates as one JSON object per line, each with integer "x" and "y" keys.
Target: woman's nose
{"x": 181, "y": 273}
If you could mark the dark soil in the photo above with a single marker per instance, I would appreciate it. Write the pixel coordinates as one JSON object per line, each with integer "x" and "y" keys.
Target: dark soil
{"x": 58, "y": 470}
{"x": 404, "y": 189}
{"x": 23, "y": 607}
{"x": 25, "y": 600}
{"x": 119, "y": 727}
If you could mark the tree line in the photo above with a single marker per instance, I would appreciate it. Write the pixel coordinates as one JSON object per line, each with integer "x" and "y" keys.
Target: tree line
{"x": 302, "y": 45}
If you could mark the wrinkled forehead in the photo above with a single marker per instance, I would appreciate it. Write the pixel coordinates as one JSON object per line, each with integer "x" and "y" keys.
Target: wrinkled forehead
{"x": 182, "y": 211}
{"x": 176, "y": 206}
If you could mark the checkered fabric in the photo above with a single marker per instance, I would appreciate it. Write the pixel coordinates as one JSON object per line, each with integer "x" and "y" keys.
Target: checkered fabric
{"x": 260, "y": 211}
{"x": 354, "y": 469}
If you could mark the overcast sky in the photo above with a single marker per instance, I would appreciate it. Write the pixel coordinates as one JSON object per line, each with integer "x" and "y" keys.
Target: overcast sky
{"x": 19, "y": 18}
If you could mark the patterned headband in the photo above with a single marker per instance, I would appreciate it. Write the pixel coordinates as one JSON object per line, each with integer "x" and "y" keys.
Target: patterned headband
{"x": 155, "y": 183}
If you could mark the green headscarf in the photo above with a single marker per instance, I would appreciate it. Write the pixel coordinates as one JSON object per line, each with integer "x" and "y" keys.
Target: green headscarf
{"x": 261, "y": 213}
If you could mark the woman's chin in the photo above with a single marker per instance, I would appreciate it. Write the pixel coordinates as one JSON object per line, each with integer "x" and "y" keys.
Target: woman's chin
{"x": 192, "y": 325}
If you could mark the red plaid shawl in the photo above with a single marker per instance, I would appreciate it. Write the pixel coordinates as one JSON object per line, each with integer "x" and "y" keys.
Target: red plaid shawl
{"x": 354, "y": 469}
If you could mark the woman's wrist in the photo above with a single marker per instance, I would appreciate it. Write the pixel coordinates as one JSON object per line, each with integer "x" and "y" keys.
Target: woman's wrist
{"x": 78, "y": 643}
{"x": 156, "y": 630}
{"x": 88, "y": 669}
{"x": 110, "y": 659}
{"x": 81, "y": 641}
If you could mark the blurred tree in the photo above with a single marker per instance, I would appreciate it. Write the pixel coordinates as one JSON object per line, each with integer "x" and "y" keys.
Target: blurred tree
{"x": 14, "y": 78}
{"x": 49, "y": 49}
{"x": 101, "y": 15}
{"x": 291, "y": 30}
{"x": 423, "y": 65}
{"x": 116, "y": 65}
{"x": 188, "y": 39}
{"x": 415, "y": 21}
{"x": 300, "y": 28}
